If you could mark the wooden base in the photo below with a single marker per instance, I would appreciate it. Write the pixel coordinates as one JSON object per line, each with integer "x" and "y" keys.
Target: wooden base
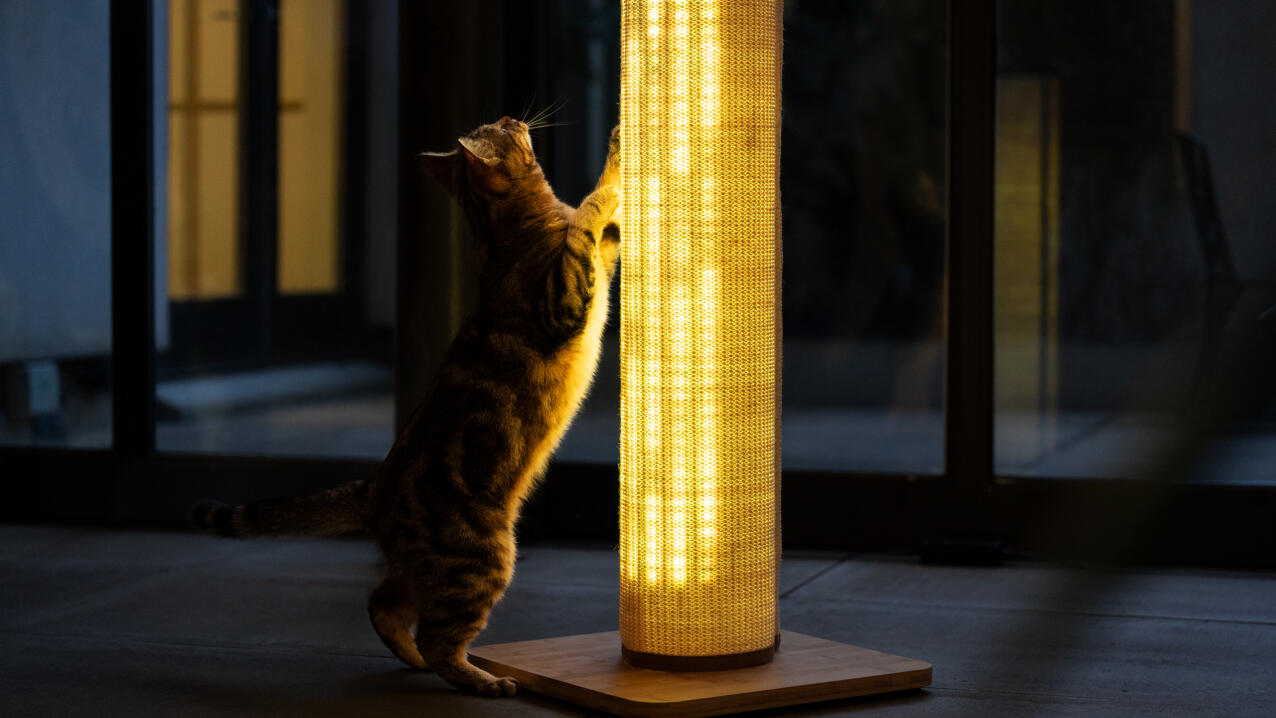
{"x": 588, "y": 670}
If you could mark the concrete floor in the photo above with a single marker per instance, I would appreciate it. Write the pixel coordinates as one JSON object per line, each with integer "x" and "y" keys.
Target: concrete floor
{"x": 104, "y": 623}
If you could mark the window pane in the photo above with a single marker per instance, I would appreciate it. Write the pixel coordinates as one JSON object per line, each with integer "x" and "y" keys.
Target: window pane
{"x": 55, "y": 238}
{"x": 203, "y": 150}
{"x": 862, "y": 184}
{"x": 280, "y": 272}
{"x": 1117, "y": 284}
{"x": 310, "y": 82}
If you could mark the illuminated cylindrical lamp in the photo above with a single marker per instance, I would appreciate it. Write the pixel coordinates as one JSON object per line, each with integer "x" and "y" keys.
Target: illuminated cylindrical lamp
{"x": 700, "y": 330}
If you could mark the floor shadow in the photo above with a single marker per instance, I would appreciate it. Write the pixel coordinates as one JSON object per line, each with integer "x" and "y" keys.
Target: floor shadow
{"x": 399, "y": 692}
{"x": 845, "y": 706}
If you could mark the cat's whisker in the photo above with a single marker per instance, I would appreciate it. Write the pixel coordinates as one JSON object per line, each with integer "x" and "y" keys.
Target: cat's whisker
{"x": 540, "y": 114}
{"x": 536, "y": 119}
{"x": 542, "y": 119}
{"x": 528, "y": 107}
{"x": 548, "y": 124}
{"x": 547, "y": 112}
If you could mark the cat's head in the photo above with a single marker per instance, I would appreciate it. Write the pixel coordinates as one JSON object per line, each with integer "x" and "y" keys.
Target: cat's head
{"x": 490, "y": 161}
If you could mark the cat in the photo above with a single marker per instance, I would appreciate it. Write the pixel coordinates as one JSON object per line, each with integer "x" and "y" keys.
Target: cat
{"x": 443, "y": 504}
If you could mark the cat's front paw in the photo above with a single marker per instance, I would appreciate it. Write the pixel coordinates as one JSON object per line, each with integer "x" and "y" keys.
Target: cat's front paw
{"x": 497, "y": 687}
{"x": 613, "y": 151}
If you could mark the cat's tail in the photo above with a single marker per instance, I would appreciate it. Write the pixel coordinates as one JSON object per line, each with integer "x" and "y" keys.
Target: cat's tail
{"x": 336, "y": 511}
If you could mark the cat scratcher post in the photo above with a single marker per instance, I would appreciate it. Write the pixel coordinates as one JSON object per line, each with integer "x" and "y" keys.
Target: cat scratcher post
{"x": 700, "y": 136}
{"x": 699, "y": 444}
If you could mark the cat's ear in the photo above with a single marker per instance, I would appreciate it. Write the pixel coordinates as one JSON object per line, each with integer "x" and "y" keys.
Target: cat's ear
{"x": 443, "y": 167}
{"x": 482, "y": 170}
{"x": 469, "y": 148}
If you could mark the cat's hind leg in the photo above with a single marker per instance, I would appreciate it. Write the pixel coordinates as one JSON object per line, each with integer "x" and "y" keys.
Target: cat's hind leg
{"x": 394, "y": 614}
{"x": 451, "y": 615}
{"x": 445, "y": 648}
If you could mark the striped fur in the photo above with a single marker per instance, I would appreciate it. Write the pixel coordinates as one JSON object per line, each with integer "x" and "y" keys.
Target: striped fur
{"x": 337, "y": 511}
{"x": 444, "y": 502}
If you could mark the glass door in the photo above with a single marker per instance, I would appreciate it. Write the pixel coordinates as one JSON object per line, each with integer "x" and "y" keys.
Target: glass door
{"x": 1133, "y": 249}
{"x": 55, "y": 241}
{"x": 256, "y": 241}
{"x": 277, "y": 344}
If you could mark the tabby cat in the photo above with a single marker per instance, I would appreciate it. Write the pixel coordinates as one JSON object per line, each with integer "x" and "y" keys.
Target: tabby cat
{"x": 443, "y": 505}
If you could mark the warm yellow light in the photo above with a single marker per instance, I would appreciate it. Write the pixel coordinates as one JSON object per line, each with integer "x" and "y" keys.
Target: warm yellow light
{"x": 700, "y": 96}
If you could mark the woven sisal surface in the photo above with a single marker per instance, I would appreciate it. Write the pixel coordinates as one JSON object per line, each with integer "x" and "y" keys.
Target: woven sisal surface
{"x": 700, "y": 246}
